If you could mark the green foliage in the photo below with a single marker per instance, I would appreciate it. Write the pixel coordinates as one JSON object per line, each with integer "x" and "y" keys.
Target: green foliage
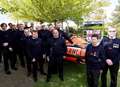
{"x": 98, "y": 12}
{"x": 47, "y": 10}
{"x": 116, "y": 18}
{"x": 3, "y": 11}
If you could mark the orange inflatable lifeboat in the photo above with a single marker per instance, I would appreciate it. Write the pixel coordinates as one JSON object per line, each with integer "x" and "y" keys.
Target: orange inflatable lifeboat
{"x": 76, "y": 51}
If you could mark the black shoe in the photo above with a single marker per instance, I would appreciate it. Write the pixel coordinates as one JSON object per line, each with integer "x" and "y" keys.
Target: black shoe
{"x": 14, "y": 68}
{"x": 28, "y": 74}
{"x": 35, "y": 79}
{"x": 8, "y": 72}
{"x": 44, "y": 73}
{"x": 47, "y": 80}
{"x": 61, "y": 78}
{"x": 23, "y": 66}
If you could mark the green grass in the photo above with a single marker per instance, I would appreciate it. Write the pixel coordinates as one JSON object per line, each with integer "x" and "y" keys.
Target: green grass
{"x": 74, "y": 76}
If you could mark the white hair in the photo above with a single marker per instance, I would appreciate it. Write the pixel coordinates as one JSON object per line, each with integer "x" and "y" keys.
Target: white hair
{"x": 111, "y": 28}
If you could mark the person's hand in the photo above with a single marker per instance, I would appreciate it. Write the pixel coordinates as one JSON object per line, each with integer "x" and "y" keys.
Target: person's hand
{"x": 44, "y": 56}
{"x": 64, "y": 57}
{"x": 10, "y": 49}
{"x": 5, "y": 44}
{"x": 109, "y": 62}
{"x": 33, "y": 60}
{"x": 48, "y": 59}
{"x": 101, "y": 71}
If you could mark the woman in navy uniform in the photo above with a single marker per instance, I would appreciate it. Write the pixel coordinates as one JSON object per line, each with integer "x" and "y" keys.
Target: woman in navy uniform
{"x": 94, "y": 59}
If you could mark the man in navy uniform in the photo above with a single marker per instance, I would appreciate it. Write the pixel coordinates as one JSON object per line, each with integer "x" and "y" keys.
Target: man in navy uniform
{"x": 58, "y": 26}
{"x": 44, "y": 34}
{"x": 0, "y": 46}
{"x": 6, "y": 47}
{"x": 57, "y": 51}
{"x": 19, "y": 44}
{"x": 94, "y": 59}
{"x": 26, "y": 39}
{"x": 35, "y": 52}
{"x": 12, "y": 36}
{"x": 112, "y": 48}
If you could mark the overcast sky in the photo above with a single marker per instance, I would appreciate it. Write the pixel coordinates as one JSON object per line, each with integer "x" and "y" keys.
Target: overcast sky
{"x": 110, "y": 9}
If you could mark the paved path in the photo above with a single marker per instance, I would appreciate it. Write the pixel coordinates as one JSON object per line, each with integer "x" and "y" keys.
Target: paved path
{"x": 16, "y": 79}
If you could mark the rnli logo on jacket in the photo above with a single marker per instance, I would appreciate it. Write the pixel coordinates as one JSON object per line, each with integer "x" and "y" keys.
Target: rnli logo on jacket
{"x": 115, "y": 45}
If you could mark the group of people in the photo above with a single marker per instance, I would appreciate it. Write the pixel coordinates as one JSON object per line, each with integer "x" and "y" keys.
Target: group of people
{"x": 102, "y": 56}
{"x": 32, "y": 47}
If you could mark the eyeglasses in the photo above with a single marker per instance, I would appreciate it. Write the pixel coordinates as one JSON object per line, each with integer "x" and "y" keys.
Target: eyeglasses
{"x": 112, "y": 31}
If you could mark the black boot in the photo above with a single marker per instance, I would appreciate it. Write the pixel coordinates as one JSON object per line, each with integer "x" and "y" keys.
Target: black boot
{"x": 48, "y": 80}
{"x": 8, "y": 72}
{"x": 28, "y": 74}
{"x": 14, "y": 68}
{"x": 35, "y": 79}
{"x": 61, "y": 78}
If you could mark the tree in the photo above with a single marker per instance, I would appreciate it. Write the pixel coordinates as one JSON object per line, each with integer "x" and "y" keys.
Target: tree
{"x": 98, "y": 12}
{"x": 116, "y": 18}
{"x": 3, "y": 11}
{"x": 47, "y": 10}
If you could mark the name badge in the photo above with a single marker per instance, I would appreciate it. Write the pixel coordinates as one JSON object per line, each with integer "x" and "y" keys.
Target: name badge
{"x": 115, "y": 45}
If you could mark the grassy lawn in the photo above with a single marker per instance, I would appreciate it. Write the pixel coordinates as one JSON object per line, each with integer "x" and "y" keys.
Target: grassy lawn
{"x": 74, "y": 76}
